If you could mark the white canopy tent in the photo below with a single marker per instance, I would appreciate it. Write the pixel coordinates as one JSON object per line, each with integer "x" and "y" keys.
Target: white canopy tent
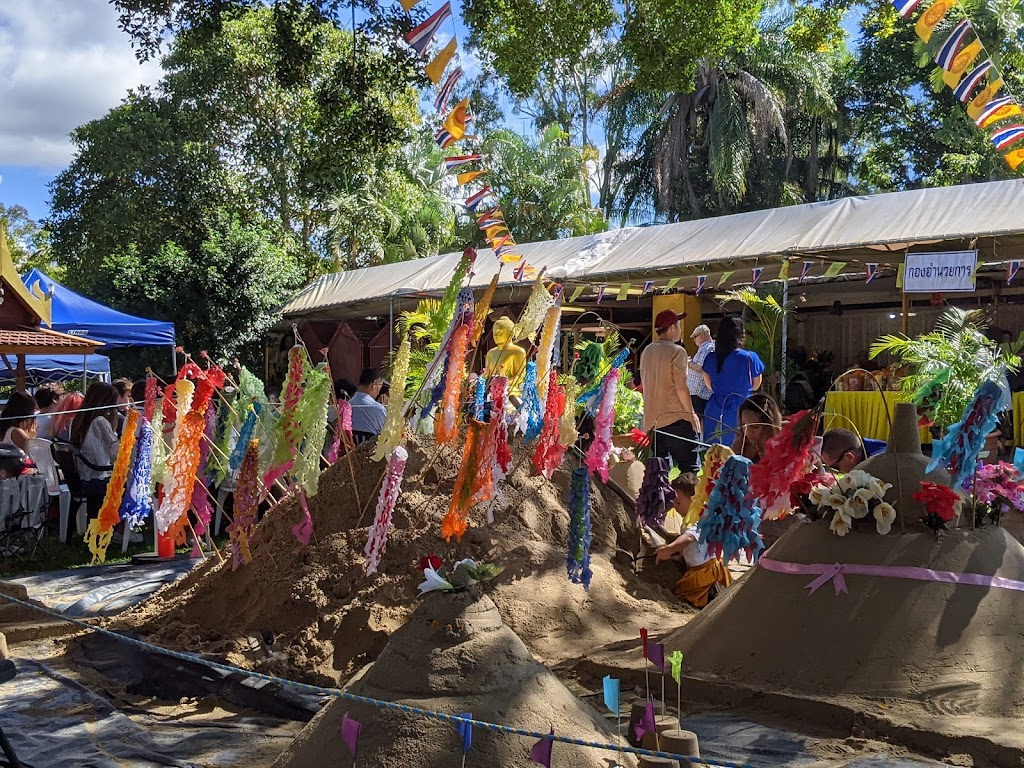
{"x": 875, "y": 228}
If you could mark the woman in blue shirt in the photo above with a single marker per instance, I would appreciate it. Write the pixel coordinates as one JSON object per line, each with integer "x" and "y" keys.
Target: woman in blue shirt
{"x": 733, "y": 373}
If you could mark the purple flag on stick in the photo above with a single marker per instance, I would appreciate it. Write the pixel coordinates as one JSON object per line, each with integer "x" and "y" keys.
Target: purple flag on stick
{"x": 541, "y": 752}
{"x": 350, "y": 733}
{"x": 646, "y": 724}
{"x": 656, "y": 654}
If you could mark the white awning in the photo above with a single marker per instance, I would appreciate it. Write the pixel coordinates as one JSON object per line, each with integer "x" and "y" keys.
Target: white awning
{"x": 860, "y": 229}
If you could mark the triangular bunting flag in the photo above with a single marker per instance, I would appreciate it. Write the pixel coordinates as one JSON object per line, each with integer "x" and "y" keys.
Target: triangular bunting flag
{"x": 576, "y": 293}
{"x": 999, "y": 109}
{"x": 951, "y": 47}
{"x": 725, "y": 276}
{"x": 870, "y": 272}
{"x": 982, "y": 100}
{"x": 905, "y": 7}
{"x": 408, "y": 5}
{"x": 455, "y": 123}
{"x": 1007, "y": 137}
{"x": 623, "y": 292}
{"x": 421, "y": 35}
{"x": 445, "y": 93}
{"x": 648, "y": 287}
{"x": 755, "y": 275}
{"x": 804, "y": 269}
{"x": 672, "y": 284}
{"x": 961, "y": 63}
{"x": 1011, "y": 271}
{"x": 1014, "y": 158}
{"x": 451, "y": 163}
{"x": 701, "y": 279}
{"x": 834, "y": 269}
{"x": 468, "y": 176}
{"x": 435, "y": 69}
{"x": 784, "y": 270}
{"x": 474, "y": 200}
{"x": 600, "y": 293}
{"x": 971, "y": 81}
{"x": 350, "y": 733}
{"x": 465, "y": 731}
{"x": 541, "y": 752}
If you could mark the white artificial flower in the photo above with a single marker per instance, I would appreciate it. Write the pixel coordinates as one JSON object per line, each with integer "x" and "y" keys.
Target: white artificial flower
{"x": 434, "y": 582}
{"x": 840, "y": 524}
{"x": 835, "y": 500}
{"x": 885, "y": 516}
{"x": 859, "y": 478}
{"x": 818, "y": 494}
{"x": 878, "y": 488}
{"x": 845, "y": 483}
{"x": 858, "y": 505}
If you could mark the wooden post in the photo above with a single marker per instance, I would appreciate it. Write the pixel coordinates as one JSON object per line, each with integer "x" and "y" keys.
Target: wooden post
{"x": 21, "y": 379}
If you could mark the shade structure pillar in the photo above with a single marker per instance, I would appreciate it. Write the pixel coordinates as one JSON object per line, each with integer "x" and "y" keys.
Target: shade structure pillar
{"x": 20, "y": 377}
{"x": 785, "y": 342}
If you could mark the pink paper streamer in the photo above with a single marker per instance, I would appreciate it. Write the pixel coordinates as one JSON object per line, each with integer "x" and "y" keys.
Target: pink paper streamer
{"x": 601, "y": 447}
{"x": 303, "y": 529}
{"x": 344, "y": 424}
{"x": 378, "y": 539}
{"x": 836, "y": 573}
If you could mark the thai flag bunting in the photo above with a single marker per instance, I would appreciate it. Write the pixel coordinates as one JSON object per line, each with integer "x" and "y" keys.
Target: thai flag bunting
{"x": 947, "y": 53}
{"x": 995, "y": 107}
{"x": 905, "y": 7}
{"x": 444, "y": 139}
{"x": 970, "y": 82}
{"x": 509, "y": 255}
{"x": 451, "y": 163}
{"x": 870, "y": 272}
{"x": 522, "y": 271}
{"x": 441, "y": 102}
{"x": 1007, "y": 136}
{"x": 600, "y": 293}
{"x": 422, "y": 34}
{"x": 755, "y": 275}
{"x": 1011, "y": 270}
{"x": 701, "y": 279}
{"x": 804, "y": 269}
{"x": 647, "y": 287}
{"x": 473, "y": 201}
{"x": 501, "y": 242}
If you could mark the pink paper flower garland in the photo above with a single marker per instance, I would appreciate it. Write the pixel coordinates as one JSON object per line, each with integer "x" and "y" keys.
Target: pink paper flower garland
{"x": 385, "y": 507}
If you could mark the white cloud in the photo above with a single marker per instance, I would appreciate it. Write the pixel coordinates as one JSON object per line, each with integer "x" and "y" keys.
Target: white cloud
{"x": 62, "y": 63}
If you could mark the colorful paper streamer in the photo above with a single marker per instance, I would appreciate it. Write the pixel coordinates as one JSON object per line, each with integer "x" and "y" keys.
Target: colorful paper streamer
{"x": 577, "y": 562}
{"x": 386, "y": 501}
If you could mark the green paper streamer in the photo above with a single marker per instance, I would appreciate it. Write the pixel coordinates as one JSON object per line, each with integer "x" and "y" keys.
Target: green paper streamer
{"x": 675, "y": 660}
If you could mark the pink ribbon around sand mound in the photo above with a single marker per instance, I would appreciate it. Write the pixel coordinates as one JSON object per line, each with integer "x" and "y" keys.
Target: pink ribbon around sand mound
{"x": 837, "y": 572}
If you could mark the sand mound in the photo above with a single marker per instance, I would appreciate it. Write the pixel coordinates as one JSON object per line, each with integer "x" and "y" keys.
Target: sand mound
{"x": 324, "y": 618}
{"x": 454, "y": 655}
{"x": 952, "y": 649}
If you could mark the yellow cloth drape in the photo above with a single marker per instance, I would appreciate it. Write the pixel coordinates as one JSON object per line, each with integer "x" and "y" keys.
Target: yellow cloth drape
{"x": 696, "y": 584}
{"x": 865, "y": 413}
{"x": 1018, "y": 418}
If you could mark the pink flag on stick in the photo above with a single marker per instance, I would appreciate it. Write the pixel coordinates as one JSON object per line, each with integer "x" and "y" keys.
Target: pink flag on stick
{"x": 350, "y": 733}
{"x": 646, "y": 724}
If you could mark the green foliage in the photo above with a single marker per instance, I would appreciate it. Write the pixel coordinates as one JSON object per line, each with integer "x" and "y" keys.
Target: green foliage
{"x": 958, "y": 349}
{"x": 28, "y": 242}
{"x": 542, "y": 186}
{"x": 763, "y": 319}
{"x": 668, "y": 39}
{"x": 426, "y": 326}
{"x": 629, "y": 409}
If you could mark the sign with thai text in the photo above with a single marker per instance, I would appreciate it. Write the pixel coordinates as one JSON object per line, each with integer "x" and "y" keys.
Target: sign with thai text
{"x": 947, "y": 272}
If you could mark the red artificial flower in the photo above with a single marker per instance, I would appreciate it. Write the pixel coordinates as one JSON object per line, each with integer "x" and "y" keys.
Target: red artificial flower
{"x": 640, "y": 438}
{"x": 938, "y": 500}
{"x": 430, "y": 561}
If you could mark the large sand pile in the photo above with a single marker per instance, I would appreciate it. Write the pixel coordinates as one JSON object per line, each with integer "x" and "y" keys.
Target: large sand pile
{"x": 327, "y": 618}
{"x": 954, "y": 649}
{"x": 454, "y": 655}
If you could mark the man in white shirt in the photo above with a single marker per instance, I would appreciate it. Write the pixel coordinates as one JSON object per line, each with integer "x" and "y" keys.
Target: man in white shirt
{"x": 367, "y": 414}
{"x": 700, "y": 393}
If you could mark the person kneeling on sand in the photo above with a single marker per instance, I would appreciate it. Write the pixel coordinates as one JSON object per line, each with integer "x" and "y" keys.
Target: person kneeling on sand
{"x": 704, "y": 574}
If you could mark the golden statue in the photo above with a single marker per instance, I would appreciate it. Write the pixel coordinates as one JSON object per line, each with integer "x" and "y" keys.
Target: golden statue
{"x": 506, "y": 359}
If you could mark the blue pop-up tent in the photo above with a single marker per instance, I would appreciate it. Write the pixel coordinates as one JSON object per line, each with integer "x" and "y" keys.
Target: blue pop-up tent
{"x": 76, "y": 315}
{"x": 43, "y": 369}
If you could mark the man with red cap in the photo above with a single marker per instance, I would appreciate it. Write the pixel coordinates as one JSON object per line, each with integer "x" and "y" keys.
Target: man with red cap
{"x": 668, "y": 407}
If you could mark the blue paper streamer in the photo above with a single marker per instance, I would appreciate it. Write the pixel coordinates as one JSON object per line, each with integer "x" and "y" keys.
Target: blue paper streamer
{"x": 245, "y": 435}
{"x": 481, "y": 396}
{"x": 732, "y": 517}
{"x": 531, "y": 404}
{"x": 958, "y": 450}
{"x": 592, "y": 397}
{"x": 577, "y": 562}
{"x": 138, "y": 504}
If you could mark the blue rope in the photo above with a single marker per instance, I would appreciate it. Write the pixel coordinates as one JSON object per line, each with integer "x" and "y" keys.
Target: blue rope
{"x": 339, "y": 694}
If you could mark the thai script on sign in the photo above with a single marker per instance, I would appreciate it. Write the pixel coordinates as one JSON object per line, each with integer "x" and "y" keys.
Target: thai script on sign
{"x": 947, "y": 272}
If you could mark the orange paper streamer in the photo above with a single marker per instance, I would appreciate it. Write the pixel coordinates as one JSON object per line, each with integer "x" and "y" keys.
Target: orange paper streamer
{"x": 454, "y": 523}
{"x": 446, "y": 427}
{"x": 101, "y": 530}
{"x": 182, "y": 465}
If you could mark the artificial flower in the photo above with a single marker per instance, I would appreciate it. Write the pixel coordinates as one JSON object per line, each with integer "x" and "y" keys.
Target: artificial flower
{"x": 841, "y": 524}
{"x": 820, "y": 492}
{"x": 941, "y": 504}
{"x": 640, "y": 438}
{"x": 430, "y": 561}
{"x": 860, "y": 503}
{"x": 877, "y": 487}
{"x": 885, "y": 516}
{"x": 434, "y": 582}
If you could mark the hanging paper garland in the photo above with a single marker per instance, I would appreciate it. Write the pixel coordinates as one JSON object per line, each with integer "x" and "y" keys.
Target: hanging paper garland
{"x": 454, "y": 523}
{"x": 567, "y": 432}
{"x": 342, "y": 427}
{"x": 577, "y": 562}
{"x": 787, "y": 458}
{"x": 958, "y": 450}
{"x": 138, "y": 502}
{"x": 550, "y": 452}
{"x": 149, "y": 407}
{"x": 483, "y": 309}
{"x": 385, "y": 507}
{"x": 158, "y": 452}
{"x": 730, "y": 521}
{"x": 183, "y": 393}
{"x": 391, "y": 434}
{"x": 100, "y": 530}
{"x": 245, "y": 434}
{"x": 312, "y": 417}
{"x": 446, "y": 427}
{"x": 545, "y": 352}
{"x": 656, "y": 493}
{"x": 287, "y": 430}
{"x": 247, "y": 499}
{"x": 303, "y": 529}
{"x": 590, "y": 397}
{"x": 200, "y": 496}
{"x": 502, "y": 451}
{"x": 530, "y": 419}
{"x": 182, "y": 465}
{"x": 714, "y": 459}
{"x": 601, "y": 447}
{"x": 533, "y": 314}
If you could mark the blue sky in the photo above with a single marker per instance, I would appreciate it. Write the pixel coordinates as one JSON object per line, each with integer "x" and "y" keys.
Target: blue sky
{"x": 64, "y": 63}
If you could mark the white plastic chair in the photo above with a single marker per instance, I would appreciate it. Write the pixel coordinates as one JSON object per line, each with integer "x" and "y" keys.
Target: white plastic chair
{"x": 40, "y": 453}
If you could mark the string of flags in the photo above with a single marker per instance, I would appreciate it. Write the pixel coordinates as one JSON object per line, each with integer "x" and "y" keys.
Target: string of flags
{"x": 991, "y": 107}
{"x": 482, "y": 204}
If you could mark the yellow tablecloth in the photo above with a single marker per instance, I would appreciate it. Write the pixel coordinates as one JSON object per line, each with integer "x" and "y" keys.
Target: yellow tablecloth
{"x": 864, "y": 412}
{"x": 1018, "y": 418}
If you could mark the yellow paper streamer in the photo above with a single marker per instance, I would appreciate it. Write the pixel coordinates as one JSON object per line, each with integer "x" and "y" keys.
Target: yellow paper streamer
{"x": 545, "y": 351}
{"x": 158, "y": 450}
{"x": 391, "y": 435}
{"x": 533, "y": 314}
{"x": 184, "y": 390}
{"x": 714, "y": 459}
{"x": 567, "y": 432}
{"x": 483, "y": 309}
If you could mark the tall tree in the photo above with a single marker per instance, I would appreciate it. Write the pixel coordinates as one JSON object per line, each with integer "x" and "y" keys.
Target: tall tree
{"x": 28, "y": 242}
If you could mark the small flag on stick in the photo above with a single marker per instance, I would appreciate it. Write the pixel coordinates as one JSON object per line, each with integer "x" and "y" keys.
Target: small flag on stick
{"x": 350, "y": 733}
{"x": 541, "y": 752}
{"x": 465, "y": 730}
